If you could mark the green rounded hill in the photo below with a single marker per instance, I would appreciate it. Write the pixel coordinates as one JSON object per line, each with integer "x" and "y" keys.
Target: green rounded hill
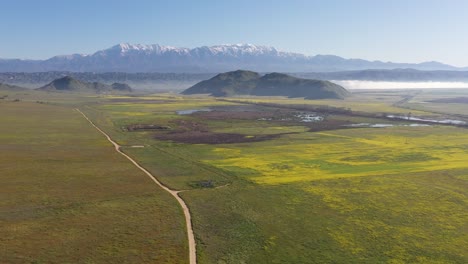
{"x": 69, "y": 84}
{"x": 9, "y": 87}
{"x": 274, "y": 84}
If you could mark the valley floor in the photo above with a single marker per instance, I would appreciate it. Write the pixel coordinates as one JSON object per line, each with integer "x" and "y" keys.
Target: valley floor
{"x": 264, "y": 181}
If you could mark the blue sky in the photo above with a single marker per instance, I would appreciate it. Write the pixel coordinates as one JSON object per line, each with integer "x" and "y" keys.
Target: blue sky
{"x": 397, "y": 30}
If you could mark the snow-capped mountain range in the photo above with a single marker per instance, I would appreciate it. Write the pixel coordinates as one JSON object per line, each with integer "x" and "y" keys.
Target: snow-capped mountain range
{"x": 127, "y": 57}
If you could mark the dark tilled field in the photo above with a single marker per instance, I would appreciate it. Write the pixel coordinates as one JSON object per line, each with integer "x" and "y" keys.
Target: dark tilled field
{"x": 195, "y": 132}
{"x": 207, "y": 137}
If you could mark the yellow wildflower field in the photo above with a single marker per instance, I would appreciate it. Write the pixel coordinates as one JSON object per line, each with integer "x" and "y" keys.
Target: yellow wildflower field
{"x": 349, "y": 153}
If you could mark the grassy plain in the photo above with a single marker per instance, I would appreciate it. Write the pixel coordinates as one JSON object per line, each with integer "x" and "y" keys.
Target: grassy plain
{"x": 355, "y": 103}
{"x": 361, "y": 195}
{"x": 67, "y": 197}
{"x": 422, "y": 101}
{"x": 329, "y": 195}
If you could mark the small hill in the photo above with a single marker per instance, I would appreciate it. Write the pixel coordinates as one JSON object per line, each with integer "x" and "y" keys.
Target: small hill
{"x": 8, "y": 87}
{"x": 69, "y": 84}
{"x": 273, "y": 84}
{"x": 226, "y": 84}
{"x": 66, "y": 83}
{"x": 122, "y": 87}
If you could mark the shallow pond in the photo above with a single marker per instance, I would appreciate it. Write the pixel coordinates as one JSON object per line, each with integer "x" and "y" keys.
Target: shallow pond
{"x": 443, "y": 121}
{"x": 305, "y": 117}
{"x": 385, "y": 125}
{"x": 191, "y": 111}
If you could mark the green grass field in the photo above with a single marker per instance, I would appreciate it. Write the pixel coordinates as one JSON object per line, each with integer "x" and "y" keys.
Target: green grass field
{"x": 67, "y": 197}
{"x": 392, "y": 195}
{"x": 347, "y": 199}
{"x": 334, "y": 195}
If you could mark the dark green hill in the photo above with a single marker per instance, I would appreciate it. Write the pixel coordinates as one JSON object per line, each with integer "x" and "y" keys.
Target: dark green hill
{"x": 273, "y": 84}
{"x": 8, "y": 87}
{"x": 284, "y": 85}
{"x": 69, "y": 84}
{"x": 66, "y": 84}
{"x": 226, "y": 84}
{"x": 123, "y": 87}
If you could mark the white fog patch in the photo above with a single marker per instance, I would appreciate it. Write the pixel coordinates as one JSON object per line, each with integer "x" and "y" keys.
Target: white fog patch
{"x": 354, "y": 84}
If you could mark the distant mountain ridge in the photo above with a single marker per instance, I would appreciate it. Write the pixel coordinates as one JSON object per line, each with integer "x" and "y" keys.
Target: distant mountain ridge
{"x": 156, "y": 58}
{"x": 273, "y": 84}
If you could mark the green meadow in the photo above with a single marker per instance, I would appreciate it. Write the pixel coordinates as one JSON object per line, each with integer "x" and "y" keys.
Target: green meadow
{"x": 360, "y": 195}
{"x": 284, "y": 191}
{"x": 68, "y": 197}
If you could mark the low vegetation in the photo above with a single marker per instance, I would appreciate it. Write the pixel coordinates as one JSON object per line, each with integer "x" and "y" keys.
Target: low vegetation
{"x": 314, "y": 189}
{"x": 314, "y": 192}
{"x": 68, "y": 197}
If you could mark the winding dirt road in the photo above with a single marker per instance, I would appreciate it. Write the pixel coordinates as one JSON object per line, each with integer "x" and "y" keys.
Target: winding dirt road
{"x": 188, "y": 219}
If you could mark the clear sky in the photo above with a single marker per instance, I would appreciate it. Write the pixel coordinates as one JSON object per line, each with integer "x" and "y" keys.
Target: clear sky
{"x": 388, "y": 30}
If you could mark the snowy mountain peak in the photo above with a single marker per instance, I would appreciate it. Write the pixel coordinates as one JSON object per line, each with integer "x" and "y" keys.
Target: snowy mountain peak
{"x": 242, "y": 49}
{"x": 124, "y": 48}
{"x": 127, "y": 57}
{"x": 225, "y": 49}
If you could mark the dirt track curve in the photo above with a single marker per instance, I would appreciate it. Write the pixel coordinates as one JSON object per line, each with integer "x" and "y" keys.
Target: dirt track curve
{"x": 188, "y": 219}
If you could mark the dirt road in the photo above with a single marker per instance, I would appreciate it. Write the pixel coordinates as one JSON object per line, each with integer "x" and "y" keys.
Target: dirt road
{"x": 191, "y": 237}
